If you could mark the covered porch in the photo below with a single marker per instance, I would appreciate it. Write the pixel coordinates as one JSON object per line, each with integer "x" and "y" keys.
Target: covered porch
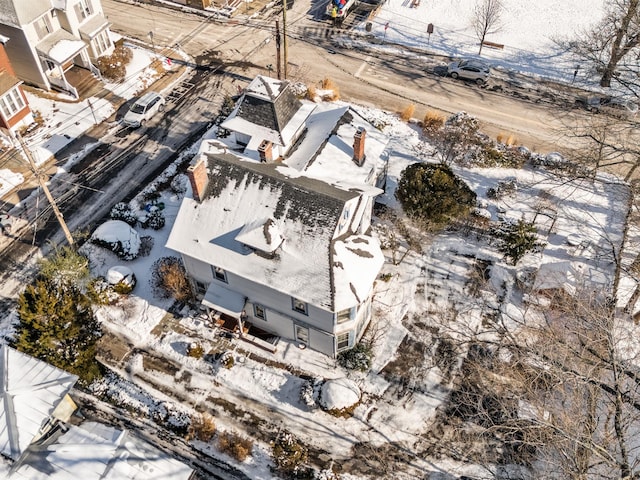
{"x": 58, "y": 53}
{"x": 226, "y": 311}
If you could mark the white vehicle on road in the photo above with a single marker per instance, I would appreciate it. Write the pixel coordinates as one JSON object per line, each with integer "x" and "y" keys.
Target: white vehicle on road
{"x": 143, "y": 109}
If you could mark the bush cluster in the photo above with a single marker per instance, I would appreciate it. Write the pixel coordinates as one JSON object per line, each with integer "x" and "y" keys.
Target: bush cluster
{"x": 357, "y": 358}
{"x": 503, "y": 188}
{"x": 122, "y": 211}
{"x": 169, "y": 279}
{"x": 114, "y": 67}
{"x": 235, "y": 445}
{"x": 202, "y": 427}
{"x": 290, "y": 456}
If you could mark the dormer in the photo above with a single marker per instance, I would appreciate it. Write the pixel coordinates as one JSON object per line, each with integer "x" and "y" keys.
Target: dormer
{"x": 262, "y": 236}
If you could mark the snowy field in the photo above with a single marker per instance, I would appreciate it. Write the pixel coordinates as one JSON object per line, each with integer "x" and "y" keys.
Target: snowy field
{"x": 529, "y": 31}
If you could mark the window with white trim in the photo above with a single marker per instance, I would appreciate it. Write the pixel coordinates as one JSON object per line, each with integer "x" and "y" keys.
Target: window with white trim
{"x": 43, "y": 26}
{"x": 259, "y": 311}
{"x": 342, "y": 341}
{"x": 345, "y": 315}
{"x": 299, "y": 306}
{"x": 102, "y": 42}
{"x": 83, "y": 9}
{"x": 219, "y": 274}
{"x": 201, "y": 287}
{"x": 11, "y": 102}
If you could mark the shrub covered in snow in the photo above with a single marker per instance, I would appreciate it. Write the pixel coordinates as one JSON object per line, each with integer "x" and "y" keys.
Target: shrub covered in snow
{"x": 339, "y": 395}
{"x": 503, "y": 188}
{"x": 122, "y": 211}
{"x": 113, "y": 67}
{"x": 179, "y": 184}
{"x": 122, "y": 279}
{"x": 290, "y": 456}
{"x": 203, "y": 427}
{"x": 155, "y": 220}
{"x": 119, "y": 237}
{"x": 357, "y": 358}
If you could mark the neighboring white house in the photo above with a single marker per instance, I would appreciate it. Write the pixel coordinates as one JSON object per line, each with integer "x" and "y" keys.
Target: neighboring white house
{"x": 283, "y": 242}
{"x": 35, "y": 437}
{"x": 54, "y": 42}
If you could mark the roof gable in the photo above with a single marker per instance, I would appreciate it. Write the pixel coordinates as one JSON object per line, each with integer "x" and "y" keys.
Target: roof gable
{"x": 20, "y": 12}
{"x": 30, "y": 389}
{"x": 268, "y": 103}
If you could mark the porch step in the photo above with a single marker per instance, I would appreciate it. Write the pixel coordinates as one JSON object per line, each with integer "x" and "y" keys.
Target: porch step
{"x": 83, "y": 80}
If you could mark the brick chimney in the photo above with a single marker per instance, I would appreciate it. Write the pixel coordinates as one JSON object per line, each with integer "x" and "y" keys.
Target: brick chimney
{"x": 198, "y": 177}
{"x": 265, "y": 150}
{"x": 358, "y": 146}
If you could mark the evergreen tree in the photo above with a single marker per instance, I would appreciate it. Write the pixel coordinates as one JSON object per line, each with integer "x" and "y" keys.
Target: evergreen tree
{"x": 57, "y": 324}
{"x": 433, "y": 194}
{"x": 515, "y": 240}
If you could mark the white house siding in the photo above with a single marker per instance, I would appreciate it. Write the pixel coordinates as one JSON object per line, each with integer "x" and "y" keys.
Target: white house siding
{"x": 23, "y": 58}
{"x": 281, "y": 318}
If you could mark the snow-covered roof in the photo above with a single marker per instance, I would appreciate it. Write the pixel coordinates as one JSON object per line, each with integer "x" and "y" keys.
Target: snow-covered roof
{"x": 327, "y": 150}
{"x": 262, "y": 235}
{"x": 93, "y": 25}
{"x": 268, "y": 110}
{"x": 94, "y": 451}
{"x": 18, "y": 12}
{"x": 61, "y": 46}
{"x": 305, "y": 213}
{"x": 30, "y": 390}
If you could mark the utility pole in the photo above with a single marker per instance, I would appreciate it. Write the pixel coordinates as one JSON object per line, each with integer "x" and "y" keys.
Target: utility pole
{"x": 284, "y": 34}
{"x": 45, "y": 189}
{"x": 278, "y": 61}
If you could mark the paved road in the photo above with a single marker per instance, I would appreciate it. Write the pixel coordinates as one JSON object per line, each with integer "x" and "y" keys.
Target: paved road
{"x": 364, "y": 75}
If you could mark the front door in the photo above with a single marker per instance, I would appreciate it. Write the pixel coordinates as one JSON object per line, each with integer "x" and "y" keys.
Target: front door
{"x": 302, "y": 334}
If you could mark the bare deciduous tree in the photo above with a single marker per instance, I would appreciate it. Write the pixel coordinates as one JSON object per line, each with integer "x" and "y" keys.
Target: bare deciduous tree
{"x": 487, "y": 19}
{"x": 608, "y": 44}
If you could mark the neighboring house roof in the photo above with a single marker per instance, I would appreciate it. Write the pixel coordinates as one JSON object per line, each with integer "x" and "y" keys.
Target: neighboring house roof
{"x": 22, "y": 12}
{"x": 61, "y": 46}
{"x": 304, "y": 212}
{"x": 268, "y": 110}
{"x": 7, "y": 82}
{"x": 30, "y": 389}
{"x": 94, "y": 451}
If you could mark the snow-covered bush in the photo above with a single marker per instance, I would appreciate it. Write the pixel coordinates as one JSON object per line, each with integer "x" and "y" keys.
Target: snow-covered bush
{"x": 122, "y": 279}
{"x": 503, "y": 188}
{"x": 357, "y": 358}
{"x": 340, "y": 396}
{"x": 179, "y": 184}
{"x": 100, "y": 292}
{"x": 235, "y": 445}
{"x": 290, "y": 456}
{"x": 310, "y": 390}
{"x": 154, "y": 219}
{"x": 146, "y": 244}
{"x": 122, "y": 211}
{"x": 119, "y": 237}
{"x": 195, "y": 350}
{"x": 113, "y": 67}
{"x": 202, "y": 427}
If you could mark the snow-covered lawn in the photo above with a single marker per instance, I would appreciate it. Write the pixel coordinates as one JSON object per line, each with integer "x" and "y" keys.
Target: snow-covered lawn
{"x": 579, "y": 220}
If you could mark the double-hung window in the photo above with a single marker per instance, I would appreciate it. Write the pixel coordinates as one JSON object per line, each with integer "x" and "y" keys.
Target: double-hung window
{"x": 83, "y": 9}
{"x": 11, "y": 102}
{"x": 342, "y": 341}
